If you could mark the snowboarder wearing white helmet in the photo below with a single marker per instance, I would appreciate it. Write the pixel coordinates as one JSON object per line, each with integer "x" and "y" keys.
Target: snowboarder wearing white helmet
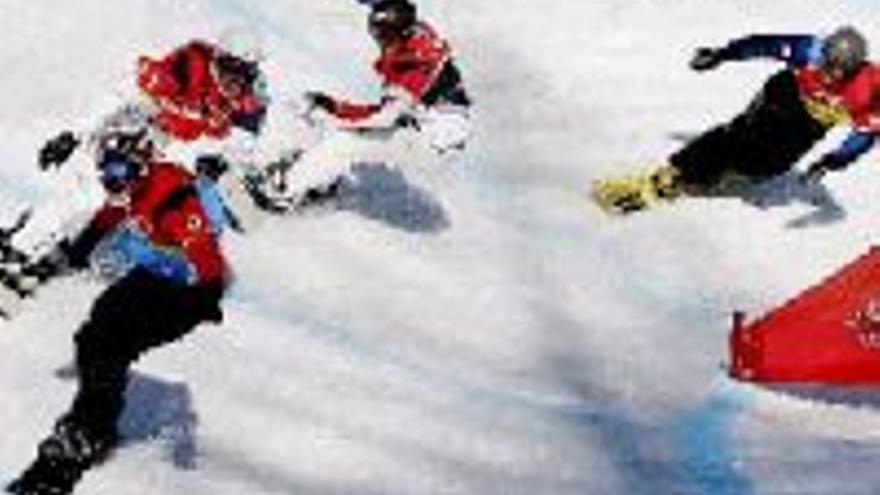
{"x": 200, "y": 98}
{"x": 178, "y": 273}
{"x": 827, "y": 81}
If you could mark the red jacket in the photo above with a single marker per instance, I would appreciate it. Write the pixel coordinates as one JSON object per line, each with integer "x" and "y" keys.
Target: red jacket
{"x": 191, "y": 102}
{"x": 412, "y": 65}
{"x": 165, "y": 207}
{"x": 858, "y": 97}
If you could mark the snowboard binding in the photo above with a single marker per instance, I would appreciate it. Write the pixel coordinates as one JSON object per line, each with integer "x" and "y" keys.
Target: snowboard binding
{"x": 61, "y": 460}
{"x": 270, "y": 191}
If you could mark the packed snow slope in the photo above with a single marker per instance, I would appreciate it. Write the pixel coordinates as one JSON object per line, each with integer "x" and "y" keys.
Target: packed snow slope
{"x": 477, "y": 328}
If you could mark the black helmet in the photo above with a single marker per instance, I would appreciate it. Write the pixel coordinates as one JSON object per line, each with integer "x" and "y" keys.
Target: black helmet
{"x": 392, "y": 18}
{"x": 844, "y": 51}
{"x": 234, "y": 69}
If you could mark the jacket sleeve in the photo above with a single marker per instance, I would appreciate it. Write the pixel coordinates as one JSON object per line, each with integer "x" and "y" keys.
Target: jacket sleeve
{"x": 103, "y": 222}
{"x": 352, "y": 111}
{"x": 390, "y": 113}
{"x": 794, "y": 49}
{"x": 408, "y": 73}
{"x": 856, "y": 143}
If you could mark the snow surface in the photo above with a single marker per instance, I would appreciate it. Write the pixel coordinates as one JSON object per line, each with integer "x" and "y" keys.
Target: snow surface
{"x": 474, "y": 329}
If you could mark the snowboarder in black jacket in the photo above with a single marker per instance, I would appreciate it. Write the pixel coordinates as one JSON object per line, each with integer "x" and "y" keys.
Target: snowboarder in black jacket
{"x": 826, "y": 82}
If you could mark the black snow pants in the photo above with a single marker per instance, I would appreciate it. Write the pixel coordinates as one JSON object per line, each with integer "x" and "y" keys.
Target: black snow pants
{"x": 765, "y": 140}
{"x": 137, "y": 313}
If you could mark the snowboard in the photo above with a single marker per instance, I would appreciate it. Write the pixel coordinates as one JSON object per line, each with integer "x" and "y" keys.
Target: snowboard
{"x": 642, "y": 190}
{"x": 46, "y": 486}
{"x": 646, "y": 190}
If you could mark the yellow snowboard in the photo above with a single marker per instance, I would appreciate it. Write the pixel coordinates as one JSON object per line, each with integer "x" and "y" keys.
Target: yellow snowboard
{"x": 638, "y": 191}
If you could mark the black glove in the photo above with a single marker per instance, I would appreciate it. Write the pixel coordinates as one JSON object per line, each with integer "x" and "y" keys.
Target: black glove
{"x": 707, "y": 58}
{"x": 317, "y": 99}
{"x": 212, "y": 166}
{"x": 251, "y": 122}
{"x": 828, "y": 163}
{"x": 8, "y": 252}
{"x": 407, "y": 120}
{"x": 57, "y": 150}
{"x": 47, "y": 266}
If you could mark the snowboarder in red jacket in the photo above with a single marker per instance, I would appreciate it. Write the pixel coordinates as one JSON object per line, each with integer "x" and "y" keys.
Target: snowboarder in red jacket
{"x": 423, "y": 111}
{"x": 200, "y": 98}
{"x": 201, "y": 90}
{"x": 178, "y": 274}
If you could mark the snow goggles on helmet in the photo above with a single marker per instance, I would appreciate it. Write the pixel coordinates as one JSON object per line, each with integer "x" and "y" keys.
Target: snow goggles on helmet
{"x": 117, "y": 171}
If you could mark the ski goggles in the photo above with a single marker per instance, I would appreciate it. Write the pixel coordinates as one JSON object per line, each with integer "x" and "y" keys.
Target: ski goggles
{"x": 117, "y": 171}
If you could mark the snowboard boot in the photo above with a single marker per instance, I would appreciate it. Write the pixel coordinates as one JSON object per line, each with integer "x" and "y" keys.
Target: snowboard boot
{"x": 255, "y": 185}
{"x": 638, "y": 191}
{"x": 268, "y": 187}
{"x": 47, "y": 476}
{"x": 61, "y": 460}
{"x": 270, "y": 191}
{"x": 275, "y": 173}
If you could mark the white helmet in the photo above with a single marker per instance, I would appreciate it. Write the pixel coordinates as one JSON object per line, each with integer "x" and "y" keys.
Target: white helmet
{"x": 844, "y": 50}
